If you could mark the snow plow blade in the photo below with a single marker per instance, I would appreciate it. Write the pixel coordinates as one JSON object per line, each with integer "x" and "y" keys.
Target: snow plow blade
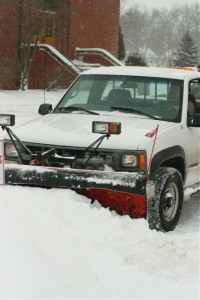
{"x": 72, "y": 179}
{"x": 123, "y": 192}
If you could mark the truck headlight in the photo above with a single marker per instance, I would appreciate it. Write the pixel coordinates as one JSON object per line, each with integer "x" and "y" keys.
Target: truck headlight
{"x": 133, "y": 161}
{"x": 129, "y": 161}
{"x": 10, "y": 151}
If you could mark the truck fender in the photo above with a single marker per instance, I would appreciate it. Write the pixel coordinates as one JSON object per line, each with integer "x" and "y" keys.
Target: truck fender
{"x": 172, "y": 157}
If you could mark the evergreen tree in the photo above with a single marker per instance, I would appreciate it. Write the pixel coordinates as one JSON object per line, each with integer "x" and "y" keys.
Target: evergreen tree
{"x": 121, "y": 46}
{"x": 135, "y": 59}
{"x": 187, "y": 54}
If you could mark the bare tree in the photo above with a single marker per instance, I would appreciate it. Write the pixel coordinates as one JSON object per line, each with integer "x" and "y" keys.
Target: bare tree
{"x": 156, "y": 33}
{"x": 133, "y": 28}
{"x": 32, "y": 20}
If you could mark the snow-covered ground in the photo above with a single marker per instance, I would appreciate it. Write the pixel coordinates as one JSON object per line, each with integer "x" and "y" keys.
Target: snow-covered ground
{"x": 55, "y": 244}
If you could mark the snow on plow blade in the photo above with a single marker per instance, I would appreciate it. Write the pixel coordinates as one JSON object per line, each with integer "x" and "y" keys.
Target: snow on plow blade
{"x": 123, "y": 192}
{"x": 72, "y": 178}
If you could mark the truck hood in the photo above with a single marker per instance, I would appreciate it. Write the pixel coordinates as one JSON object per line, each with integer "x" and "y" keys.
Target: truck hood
{"x": 75, "y": 130}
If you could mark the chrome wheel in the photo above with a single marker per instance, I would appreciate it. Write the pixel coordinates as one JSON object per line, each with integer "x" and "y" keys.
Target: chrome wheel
{"x": 171, "y": 200}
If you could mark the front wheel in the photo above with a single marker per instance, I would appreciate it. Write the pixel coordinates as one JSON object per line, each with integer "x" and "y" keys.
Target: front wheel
{"x": 164, "y": 210}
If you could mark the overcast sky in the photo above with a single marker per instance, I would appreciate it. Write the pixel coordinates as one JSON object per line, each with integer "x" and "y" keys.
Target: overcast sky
{"x": 161, "y": 3}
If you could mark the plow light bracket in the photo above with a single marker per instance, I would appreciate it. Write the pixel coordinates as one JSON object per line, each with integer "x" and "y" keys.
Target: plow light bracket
{"x": 106, "y": 127}
{"x": 7, "y": 120}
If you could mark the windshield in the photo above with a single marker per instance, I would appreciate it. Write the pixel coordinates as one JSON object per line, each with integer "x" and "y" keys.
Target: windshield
{"x": 142, "y": 96}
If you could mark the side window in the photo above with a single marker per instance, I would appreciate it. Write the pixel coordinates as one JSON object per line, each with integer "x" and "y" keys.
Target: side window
{"x": 150, "y": 91}
{"x": 111, "y": 84}
{"x": 194, "y": 97}
{"x": 142, "y": 89}
{"x": 162, "y": 91}
{"x": 195, "y": 89}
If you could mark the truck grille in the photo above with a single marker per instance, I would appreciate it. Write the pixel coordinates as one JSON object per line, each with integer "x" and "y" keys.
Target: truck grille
{"x": 90, "y": 160}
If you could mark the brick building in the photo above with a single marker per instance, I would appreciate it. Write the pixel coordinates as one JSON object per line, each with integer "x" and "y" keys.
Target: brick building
{"x": 67, "y": 25}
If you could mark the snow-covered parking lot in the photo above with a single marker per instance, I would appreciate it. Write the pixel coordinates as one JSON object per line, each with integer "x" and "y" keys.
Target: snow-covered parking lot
{"x": 55, "y": 244}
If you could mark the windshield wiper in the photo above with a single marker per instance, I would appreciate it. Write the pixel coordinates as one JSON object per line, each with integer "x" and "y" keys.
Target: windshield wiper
{"x": 77, "y": 108}
{"x": 130, "y": 109}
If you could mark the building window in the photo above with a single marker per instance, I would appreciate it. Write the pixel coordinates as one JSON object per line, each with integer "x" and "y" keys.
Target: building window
{"x": 47, "y": 30}
{"x": 48, "y": 5}
{"x": 49, "y": 27}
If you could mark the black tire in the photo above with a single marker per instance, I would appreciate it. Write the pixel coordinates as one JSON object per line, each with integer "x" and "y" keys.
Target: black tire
{"x": 164, "y": 210}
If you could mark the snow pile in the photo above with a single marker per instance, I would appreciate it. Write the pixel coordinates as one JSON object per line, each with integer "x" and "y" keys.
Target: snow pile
{"x": 56, "y": 244}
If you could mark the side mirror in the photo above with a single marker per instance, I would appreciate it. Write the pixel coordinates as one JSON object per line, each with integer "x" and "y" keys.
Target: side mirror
{"x": 194, "y": 121}
{"x": 45, "y": 109}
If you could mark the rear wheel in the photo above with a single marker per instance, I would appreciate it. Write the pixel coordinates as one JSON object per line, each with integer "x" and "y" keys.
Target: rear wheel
{"x": 164, "y": 210}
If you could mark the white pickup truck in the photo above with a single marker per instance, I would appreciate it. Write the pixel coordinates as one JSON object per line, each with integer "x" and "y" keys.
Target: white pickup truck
{"x": 128, "y": 137}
